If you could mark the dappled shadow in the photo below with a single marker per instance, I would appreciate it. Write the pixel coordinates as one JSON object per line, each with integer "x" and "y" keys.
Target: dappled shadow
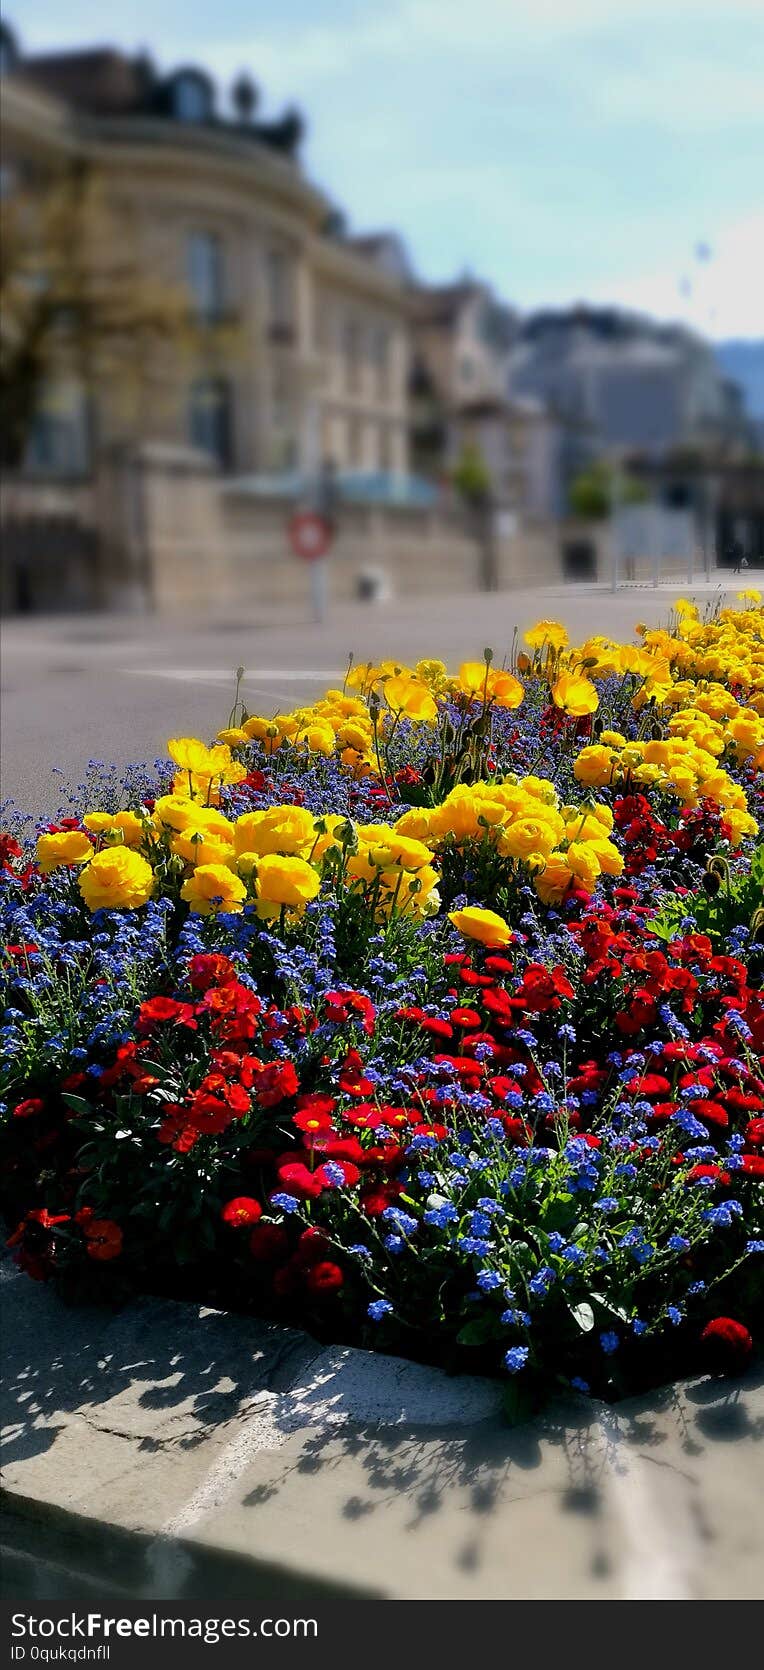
{"x": 368, "y": 1443}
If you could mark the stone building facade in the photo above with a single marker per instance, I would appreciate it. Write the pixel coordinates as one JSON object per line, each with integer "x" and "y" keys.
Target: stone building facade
{"x": 220, "y": 205}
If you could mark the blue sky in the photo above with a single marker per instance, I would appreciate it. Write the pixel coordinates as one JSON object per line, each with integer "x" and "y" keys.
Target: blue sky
{"x": 563, "y": 149}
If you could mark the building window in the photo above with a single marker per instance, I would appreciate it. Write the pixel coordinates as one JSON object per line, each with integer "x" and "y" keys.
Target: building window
{"x": 59, "y": 438}
{"x": 354, "y": 443}
{"x": 380, "y": 354}
{"x": 191, "y": 98}
{"x": 204, "y": 268}
{"x": 209, "y": 419}
{"x": 278, "y": 288}
{"x": 352, "y": 353}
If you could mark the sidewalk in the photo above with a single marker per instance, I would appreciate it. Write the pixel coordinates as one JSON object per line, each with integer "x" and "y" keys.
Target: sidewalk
{"x": 166, "y": 1448}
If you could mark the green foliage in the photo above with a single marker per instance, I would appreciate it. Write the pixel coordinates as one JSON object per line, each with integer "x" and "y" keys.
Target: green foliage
{"x": 592, "y": 494}
{"x": 472, "y": 477}
{"x": 728, "y": 900}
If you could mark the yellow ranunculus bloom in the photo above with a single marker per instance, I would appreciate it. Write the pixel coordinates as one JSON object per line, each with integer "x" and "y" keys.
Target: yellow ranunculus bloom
{"x": 554, "y": 879}
{"x": 125, "y": 827}
{"x": 527, "y": 835}
{"x": 116, "y": 879}
{"x": 483, "y": 925}
{"x": 284, "y": 883}
{"x": 281, "y": 829}
{"x": 594, "y": 766}
{"x": 68, "y": 847}
{"x": 213, "y": 889}
{"x": 318, "y": 737}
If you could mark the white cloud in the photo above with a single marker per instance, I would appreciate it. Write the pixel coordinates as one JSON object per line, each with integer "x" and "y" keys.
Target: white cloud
{"x": 727, "y": 294}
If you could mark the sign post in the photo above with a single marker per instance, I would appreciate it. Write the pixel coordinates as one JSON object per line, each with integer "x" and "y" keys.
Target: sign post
{"x": 310, "y": 536}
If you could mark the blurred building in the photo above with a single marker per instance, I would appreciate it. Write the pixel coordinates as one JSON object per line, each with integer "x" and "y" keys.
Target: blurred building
{"x": 463, "y": 339}
{"x": 631, "y": 383}
{"x": 317, "y": 358}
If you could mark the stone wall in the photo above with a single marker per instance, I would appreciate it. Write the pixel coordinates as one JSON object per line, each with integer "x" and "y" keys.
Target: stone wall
{"x": 158, "y": 530}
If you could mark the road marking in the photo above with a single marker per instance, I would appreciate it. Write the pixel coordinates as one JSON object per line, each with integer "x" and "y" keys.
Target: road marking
{"x": 224, "y": 675}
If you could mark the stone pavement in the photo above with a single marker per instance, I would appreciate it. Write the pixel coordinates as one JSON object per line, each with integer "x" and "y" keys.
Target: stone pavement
{"x": 115, "y": 687}
{"x": 165, "y": 1451}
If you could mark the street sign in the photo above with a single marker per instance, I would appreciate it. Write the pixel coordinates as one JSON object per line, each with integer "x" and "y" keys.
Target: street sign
{"x": 309, "y": 535}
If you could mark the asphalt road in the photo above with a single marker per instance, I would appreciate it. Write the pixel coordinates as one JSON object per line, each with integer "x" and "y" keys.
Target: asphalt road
{"x": 114, "y": 688}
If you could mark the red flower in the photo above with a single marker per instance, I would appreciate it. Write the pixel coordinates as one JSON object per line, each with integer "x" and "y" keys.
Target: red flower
{"x": 268, "y": 1243}
{"x": 158, "y": 1009}
{"x": 352, "y": 1079}
{"x": 324, "y": 1277}
{"x": 712, "y": 1113}
{"x": 728, "y": 1345}
{"x": 312, "y": 1122}
{"x": 275, "y": 1083}
{"x": 754, "y": 1133}
{"x": 350, "y": 1172}
{"x": 210, "y": 968}
{"x": 241, "y": 1212}
{"x": 342, "y": 1007}
{"x": 311, "y": 1247}
{"x": 697, "y": 1174}
{"x": 467, "y": 1019}
{"x": 104, "y": 1239}
{"x": 542, "y": 988}
{"x": 28, "y": 1108}
{"x": 296, "y": 1179}
{"x": 753, "y": 1165}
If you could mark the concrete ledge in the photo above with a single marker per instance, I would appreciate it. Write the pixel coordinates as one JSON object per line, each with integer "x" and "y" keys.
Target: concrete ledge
{"x": 167, "y": 1449}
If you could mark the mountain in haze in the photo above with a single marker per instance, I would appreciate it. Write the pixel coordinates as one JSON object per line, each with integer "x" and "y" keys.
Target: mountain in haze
{"x": 744, "y": 363}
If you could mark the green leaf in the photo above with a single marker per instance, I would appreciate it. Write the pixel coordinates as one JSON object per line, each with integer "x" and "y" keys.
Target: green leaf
{"x": 478, "y": 1332}
{"x": 77, "y": 1103}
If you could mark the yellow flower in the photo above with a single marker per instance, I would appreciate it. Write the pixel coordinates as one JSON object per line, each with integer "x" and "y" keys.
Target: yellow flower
{"x": 276, "y": 829}
{"x": 116, "y": 826}
{"x": 593, "y": 766}
{"x": 175, "y": 811}
{"x": 505, "y": 690}
{"x": 583, "y": 863}
{"x": 410, "y": 696}
{"x": 318, "y": 737}
{"x": 576, "y": 694}
{"x": 482, "y": 925}
{"x": 116, "y": 879}
{"x": 284, "y": 883}
{"x": 68, "y": 847}
{"x": 213, "y": 888}
{"x": 527, "y": 835}
{"x": 554, "y": 879}
{"x": 473, "y": 678}
{"x": 200, "y": 845}
{"x": 550, "y": 632}
{"x": 189, "y": 753}
{"x": 416, "y": 823}
{"x": 234, "y": 736}
{"x": 433, "y": 673}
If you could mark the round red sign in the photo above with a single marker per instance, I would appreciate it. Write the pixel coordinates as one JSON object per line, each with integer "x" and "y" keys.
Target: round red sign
{"x": 309, "y": 535}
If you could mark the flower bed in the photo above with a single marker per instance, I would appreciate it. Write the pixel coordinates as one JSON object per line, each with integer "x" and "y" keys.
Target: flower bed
{"x": 430, "y": 1016}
